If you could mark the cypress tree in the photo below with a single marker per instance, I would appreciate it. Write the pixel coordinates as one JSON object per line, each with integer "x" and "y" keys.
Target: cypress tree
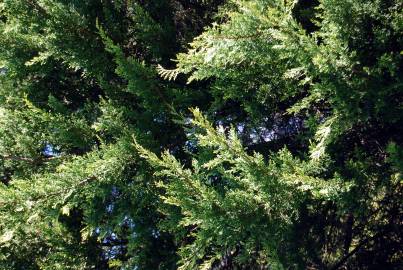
{"x": 201, "y": 134}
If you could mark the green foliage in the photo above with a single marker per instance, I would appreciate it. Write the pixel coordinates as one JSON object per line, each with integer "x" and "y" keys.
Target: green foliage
{"x": 252, "y": 203}
{"x": 295, "y": 163}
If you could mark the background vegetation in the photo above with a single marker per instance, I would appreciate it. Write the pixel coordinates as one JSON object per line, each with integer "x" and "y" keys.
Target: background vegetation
{"x": 190, "y": 134}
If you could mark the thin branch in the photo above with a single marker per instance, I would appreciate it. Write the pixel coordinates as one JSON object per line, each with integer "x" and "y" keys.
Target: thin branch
{"x": 343, "y": 260}
{"x": 65, "y": 190}
{"x": 258, "y": 34}
{"x": 28, "y": 159}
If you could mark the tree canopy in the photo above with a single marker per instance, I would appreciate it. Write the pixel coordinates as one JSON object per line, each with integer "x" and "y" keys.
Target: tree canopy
{"x": 201, "y": 134}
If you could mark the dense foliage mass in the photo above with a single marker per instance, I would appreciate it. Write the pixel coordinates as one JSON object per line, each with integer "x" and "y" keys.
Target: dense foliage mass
{"x": 186, "y": 134}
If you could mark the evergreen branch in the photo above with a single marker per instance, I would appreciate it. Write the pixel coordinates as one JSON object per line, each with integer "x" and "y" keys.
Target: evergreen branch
{"x": 30, "y": 160}
{"x": 167, "y": 74}
{"x": 258, "y": 34}
{"x": 65, "y": 190}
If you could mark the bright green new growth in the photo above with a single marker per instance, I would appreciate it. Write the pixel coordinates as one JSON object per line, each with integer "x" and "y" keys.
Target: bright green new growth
{"x": 255, "y": 207}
